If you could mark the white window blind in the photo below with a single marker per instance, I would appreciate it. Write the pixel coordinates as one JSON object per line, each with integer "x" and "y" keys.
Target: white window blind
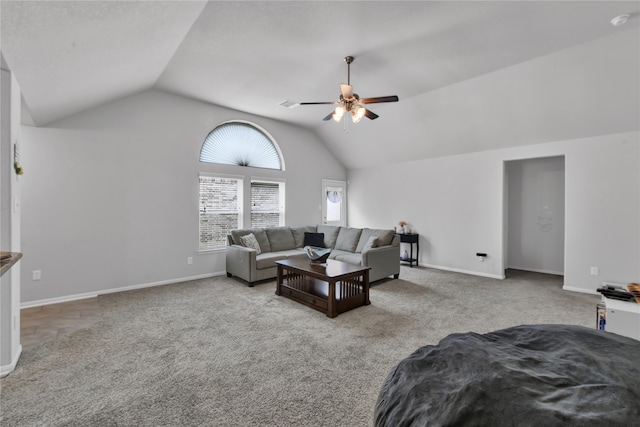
{"x": 220, "y": 209}
{"x": 267, "y": 204}
{"x": 241, "y": 144}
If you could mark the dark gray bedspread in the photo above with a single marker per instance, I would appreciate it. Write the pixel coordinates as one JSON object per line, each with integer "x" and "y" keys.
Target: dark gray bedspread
{"x": 530, "y": 375}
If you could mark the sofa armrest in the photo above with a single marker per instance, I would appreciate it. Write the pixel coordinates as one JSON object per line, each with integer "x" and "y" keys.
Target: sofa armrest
{"x": 241, "y": 262}
{"x": 375, "y": 255}
{"x": 384, "y": 261}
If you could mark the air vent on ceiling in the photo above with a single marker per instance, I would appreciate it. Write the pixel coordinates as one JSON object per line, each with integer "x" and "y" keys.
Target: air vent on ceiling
{"x": 288, "y": 103}
{"x": 620, "y": 20}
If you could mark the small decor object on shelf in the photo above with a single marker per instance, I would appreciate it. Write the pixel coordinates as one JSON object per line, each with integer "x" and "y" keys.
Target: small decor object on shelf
{"x": 400, "y": 229}
{"x": 317, "y": 255}
{"x": 405, "y": 255}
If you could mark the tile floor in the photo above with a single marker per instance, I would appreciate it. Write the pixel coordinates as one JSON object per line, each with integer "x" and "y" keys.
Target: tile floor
{"x": 48, "y": 322}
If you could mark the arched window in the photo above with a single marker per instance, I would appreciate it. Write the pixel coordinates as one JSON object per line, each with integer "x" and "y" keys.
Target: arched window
{"x": 242, "y": 144}
{"x": 223, "y": 197}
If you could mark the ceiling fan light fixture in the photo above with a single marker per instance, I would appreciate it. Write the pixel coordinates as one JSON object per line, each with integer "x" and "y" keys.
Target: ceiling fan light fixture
{"x": 338, "y": 113}
{"x": 351, "y": 102}
{"x": 357, "y": 114}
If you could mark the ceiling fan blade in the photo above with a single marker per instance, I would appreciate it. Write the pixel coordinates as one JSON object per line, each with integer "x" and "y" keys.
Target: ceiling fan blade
{"x": 370, "y": 114}
{"x": 318, "y": 103}
{"x": 347, "y": 90}
{"x": 328, "y": 117}
{"x": 392, "y": 98}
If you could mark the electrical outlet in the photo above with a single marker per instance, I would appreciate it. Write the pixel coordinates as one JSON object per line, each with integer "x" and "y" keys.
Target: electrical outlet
{"x": 37, "y": 275}
{"x": 190, "y": 260}
{"x": 595, "y": 271}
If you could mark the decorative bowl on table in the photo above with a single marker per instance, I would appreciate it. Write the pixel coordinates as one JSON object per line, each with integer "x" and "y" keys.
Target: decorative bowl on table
{"x": 317, "y": 255}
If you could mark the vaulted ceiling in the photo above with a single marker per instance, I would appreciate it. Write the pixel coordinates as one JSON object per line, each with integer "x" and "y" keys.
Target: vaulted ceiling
{"x": 469, "y": 75}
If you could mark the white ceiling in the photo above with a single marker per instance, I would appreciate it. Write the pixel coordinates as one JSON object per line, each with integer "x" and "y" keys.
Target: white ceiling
{"x": 72, "y": 55}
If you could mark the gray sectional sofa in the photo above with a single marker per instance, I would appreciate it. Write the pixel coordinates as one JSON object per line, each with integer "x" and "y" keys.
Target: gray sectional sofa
{"x": 351, "y": 245}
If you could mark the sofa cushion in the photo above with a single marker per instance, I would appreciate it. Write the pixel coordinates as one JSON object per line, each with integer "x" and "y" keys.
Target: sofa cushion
{"x": 337, "y": 252}
{"x": 348, "y": 239}
{"x": 293, "y": 253}
{"x": 268, "y": 260}
{"x": 384, "y": 237}
{"x": 314, "y": 239}
{"x": 280, "y": 238}
{"x": 330, "y": 234}
{"x": 298, "y": 233}
{"x": 349, "y": 257}
{"x": 261, "y": 237}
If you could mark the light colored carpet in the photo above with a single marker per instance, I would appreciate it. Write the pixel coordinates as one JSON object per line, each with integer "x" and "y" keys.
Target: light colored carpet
{"x": 215, "y": 352}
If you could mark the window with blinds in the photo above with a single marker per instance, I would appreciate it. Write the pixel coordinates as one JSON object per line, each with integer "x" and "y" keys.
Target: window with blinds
{"x": 221, "y": 200}
{"x": 267, "y": 204}
{"x": 220, "y": 209}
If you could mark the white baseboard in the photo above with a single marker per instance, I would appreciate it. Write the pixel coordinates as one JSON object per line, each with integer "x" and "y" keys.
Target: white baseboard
{"x": 581, "y": 290}
{"x": 459, "y": 270}
{"x": 75, "y": 297}
{"x": 57, "y": 300}
{"x": 536, "y": 270}
{"x": 7, "y": 369}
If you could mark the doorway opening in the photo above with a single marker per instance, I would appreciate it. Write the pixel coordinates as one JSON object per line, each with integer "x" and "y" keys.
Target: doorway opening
{"x": 534, "y": 226}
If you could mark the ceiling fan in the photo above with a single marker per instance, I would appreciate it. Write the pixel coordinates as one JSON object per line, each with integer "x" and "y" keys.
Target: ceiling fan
{"x": 351, "y": 102}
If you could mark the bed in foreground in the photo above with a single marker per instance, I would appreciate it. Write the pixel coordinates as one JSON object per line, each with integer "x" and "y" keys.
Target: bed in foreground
{"x": 530, "y": 375}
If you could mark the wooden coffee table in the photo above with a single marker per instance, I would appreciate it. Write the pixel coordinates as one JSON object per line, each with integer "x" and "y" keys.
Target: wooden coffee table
{"x": 332, "y": 288}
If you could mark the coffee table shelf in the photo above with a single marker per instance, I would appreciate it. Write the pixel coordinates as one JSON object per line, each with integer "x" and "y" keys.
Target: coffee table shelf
{"x": 332, "y": 288}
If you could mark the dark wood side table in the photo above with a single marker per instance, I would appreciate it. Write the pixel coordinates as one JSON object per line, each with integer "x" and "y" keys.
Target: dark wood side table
{"x": 411, "y": 239}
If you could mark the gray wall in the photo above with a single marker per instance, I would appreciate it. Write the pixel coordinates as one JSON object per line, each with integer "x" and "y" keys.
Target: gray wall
{"x": 535, "y": 215}
{"x": 110, "y": 196}
{"x": 456, "y": 204}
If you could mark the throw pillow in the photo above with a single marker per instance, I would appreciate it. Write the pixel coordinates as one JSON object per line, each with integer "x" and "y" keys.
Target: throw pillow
{"x": 249, "y": 241}
{"x": 314, "y": 239}
{"x": 371, "y": 243}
